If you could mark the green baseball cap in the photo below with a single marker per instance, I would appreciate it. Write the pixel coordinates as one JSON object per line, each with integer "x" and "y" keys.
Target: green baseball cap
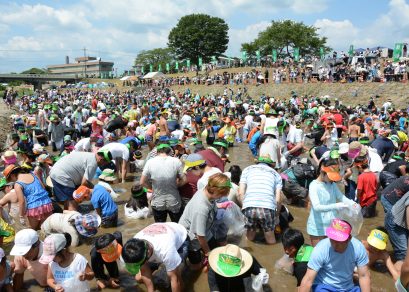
{"x": 221, "y": 143}
{"x": 263, "y": 159}
{"x": 161, "y": 146}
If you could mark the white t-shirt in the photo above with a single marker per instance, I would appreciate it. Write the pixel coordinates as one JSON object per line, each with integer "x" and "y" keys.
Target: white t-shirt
{"x": 375, "y": 161}
{"x": 202, "y": 182}
{"x": 68, "y": 277}
{"x": 249, "y": 121}
{"x": 117, "y": 150}
{"x": 136, "y": 214}
{"x": 269, "y": 148}
{"x": 178, "y": 134}
{"x": 83, "y": 145}
{"x": 166, "y": 239}
{"x": 186, "y": 121}
{"x": 270, "y": 125}
{"x": 294, "y": 135}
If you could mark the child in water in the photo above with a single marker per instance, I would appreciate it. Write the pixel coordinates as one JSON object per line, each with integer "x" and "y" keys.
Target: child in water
{"x": 137, "y": 206}
{"x": 67, "y": 271}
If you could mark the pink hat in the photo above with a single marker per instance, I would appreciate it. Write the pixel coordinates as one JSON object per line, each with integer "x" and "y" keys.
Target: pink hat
{"x": 339, "y": 230}
{"x": 53, "y": 244}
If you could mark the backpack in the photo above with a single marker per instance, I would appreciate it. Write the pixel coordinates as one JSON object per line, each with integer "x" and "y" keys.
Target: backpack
{"x": 304, "y": 173}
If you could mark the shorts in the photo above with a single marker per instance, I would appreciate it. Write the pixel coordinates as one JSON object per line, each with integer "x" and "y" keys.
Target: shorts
{"x": 110, "y": 221}
{"x": 369, "y": 211}
{"x": 62, "y": 193}
{"x": 191, "y": 250}
{"x": 41, "y": 212}
{"x": 259, "y": 217}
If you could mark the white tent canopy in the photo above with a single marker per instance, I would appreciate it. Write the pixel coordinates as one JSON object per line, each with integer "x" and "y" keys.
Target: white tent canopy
{"x": 154, "y": 75}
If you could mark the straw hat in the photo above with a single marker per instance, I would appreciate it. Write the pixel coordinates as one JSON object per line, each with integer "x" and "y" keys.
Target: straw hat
{"x": 230, "y": 260}
{"x": 9, "y": 169}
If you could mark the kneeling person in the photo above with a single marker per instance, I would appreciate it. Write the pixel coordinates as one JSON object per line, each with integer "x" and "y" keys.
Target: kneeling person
{"x": 102, "y": 201}
{"x": 158, "y": 243}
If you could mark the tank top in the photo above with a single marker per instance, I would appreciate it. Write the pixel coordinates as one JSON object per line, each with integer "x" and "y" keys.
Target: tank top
{"x": 34, "y": 193}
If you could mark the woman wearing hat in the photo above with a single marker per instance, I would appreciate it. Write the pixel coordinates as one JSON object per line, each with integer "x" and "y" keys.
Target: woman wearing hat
{"x": 326, "y": 199}
{"x": 200, "y": 213}
{"x": 33, "y": 199}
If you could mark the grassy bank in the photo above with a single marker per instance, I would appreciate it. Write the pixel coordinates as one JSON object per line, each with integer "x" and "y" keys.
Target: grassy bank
{"x": 349, "y": 94}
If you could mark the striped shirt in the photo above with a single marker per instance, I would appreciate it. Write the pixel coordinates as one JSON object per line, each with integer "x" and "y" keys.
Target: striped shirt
{"x": 261, "y": 183}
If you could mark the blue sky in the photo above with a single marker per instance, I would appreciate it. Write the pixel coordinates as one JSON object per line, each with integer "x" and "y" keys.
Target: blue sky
{"x": 39, "y": 33}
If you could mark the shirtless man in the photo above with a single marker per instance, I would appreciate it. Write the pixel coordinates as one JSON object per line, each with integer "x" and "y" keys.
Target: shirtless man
{"x": 354, "y": 131}
{"x": 163, "y": 126}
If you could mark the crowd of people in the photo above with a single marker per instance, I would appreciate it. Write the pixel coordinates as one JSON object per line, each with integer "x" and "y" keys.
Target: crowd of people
{"x": 68, "y": 149}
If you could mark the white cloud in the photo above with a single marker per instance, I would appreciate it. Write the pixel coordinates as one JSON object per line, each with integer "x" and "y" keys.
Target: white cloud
{"x": 244, "y": 35}
{"x": 40, "y": 17}
{"x": 340, "y": 34}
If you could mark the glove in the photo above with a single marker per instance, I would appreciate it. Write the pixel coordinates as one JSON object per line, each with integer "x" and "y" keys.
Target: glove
{"x": 286, "y": 154}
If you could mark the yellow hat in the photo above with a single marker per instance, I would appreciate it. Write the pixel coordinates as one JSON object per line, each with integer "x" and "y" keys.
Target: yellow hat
{"x": 378, "y": 239}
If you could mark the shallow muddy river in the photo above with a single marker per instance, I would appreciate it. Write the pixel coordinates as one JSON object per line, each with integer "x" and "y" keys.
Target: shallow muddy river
{"x": 266, "y": 255}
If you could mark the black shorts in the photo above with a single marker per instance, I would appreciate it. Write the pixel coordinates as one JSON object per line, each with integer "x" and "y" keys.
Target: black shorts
{"x": 194, "y": 252}
{"x": 369, "y": 211}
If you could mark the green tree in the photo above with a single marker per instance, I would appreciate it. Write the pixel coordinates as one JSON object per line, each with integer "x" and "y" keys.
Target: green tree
{"x": 34, "y": 71}
{"x": 199, "y": 35}
{"x": 155, "y": 57}
{"x": 286, "y": 35}
{"x": 250, "y": 49}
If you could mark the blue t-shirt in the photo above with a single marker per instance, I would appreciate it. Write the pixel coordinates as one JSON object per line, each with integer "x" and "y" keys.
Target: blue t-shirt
{"x": 402, "y": 122}
{"x": 102, "y": 199}
{"x": 337, "y": 269}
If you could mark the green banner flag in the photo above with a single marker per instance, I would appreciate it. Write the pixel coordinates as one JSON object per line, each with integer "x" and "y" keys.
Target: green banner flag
{"x": 397, "y": 52}
{"x": 143, "y": 70}
{"x": 322, "y": 53}
{"x": 177, "y": 65}
{"x": 150, "y": 68}
{"x": 244, "y": 56}
{"x": 160, "y": 68}
{"x": 188, "y": 64}
{"x": 274, "y": 55}
{"x": 296, "y": 54}
{"x": 200, "y": 62}
{"x": 214, "y": 60}
{"x": 351, "y": 51}
{"x": 167, "y": 67}
{"x": 258, "y": 55}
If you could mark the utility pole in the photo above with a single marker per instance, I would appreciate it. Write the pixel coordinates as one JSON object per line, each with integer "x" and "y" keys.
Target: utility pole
{"x": 85, "y": 62}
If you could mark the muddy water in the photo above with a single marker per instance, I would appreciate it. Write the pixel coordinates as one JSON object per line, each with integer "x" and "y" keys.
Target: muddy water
{"x": 266, "y": 255}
